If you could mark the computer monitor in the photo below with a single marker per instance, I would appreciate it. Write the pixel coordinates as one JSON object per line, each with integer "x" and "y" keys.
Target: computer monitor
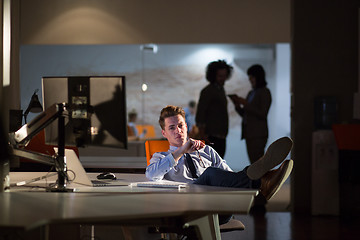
{"x": 96, "y": 107}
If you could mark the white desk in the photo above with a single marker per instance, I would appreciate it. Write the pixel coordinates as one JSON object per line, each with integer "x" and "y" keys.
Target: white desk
{"x": 196, "y": 205}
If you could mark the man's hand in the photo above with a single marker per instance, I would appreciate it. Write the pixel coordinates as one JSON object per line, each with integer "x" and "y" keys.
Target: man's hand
{"x": 190, "y": 146}
{"x": 193, "y": 145}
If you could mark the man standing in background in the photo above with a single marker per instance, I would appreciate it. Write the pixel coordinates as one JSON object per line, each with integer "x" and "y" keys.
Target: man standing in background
{"x": 212, "y": 116}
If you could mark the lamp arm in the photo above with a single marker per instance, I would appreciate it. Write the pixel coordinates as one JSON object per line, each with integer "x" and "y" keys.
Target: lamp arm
{"x": 27, "y": 111}
{"x": 38, "y": 157}
{"x": 28, "y": 131}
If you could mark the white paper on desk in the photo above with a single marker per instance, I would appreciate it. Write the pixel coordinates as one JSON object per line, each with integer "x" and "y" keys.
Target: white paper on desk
{"x": 160, "y": 184}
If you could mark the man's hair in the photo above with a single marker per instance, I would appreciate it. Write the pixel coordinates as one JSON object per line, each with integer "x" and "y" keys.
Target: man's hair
{"x": 170, "y": 111}
{"x": 213, "y": 67}
{"x": 132, "y": 115}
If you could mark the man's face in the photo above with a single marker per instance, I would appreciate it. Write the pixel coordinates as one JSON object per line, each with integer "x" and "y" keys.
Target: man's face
{"x": 175, "y": 130}
{"x": 221, "y": 76}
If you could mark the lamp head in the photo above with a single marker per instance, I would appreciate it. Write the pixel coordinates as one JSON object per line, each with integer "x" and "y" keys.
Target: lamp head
{"x": 34, "y": 105}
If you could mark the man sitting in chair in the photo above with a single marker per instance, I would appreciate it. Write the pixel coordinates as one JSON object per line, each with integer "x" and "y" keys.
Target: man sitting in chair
{"x": 191, "y": 161}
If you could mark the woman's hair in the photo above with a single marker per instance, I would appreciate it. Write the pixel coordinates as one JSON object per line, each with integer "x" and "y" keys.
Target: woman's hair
{"x": 170, "y": 111}
{"x": 213, "y": 67}
{"x": 258, "y": 72}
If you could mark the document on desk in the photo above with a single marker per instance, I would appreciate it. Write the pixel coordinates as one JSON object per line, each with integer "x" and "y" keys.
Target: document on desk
{"x": 160, "y": 184}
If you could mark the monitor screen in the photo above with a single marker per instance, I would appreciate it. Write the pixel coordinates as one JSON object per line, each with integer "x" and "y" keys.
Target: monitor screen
{"x": 96, "y": 110}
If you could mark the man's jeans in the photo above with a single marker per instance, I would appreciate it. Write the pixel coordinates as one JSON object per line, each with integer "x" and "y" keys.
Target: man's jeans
{"x": 222, "y": 178}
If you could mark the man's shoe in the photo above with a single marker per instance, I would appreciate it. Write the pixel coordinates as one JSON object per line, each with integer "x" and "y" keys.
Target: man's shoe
{"x": 274, "y": 155}
{"x": 272, "y": 181}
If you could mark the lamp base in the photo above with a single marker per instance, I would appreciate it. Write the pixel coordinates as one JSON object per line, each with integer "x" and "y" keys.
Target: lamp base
{"x": 58, "y": 188}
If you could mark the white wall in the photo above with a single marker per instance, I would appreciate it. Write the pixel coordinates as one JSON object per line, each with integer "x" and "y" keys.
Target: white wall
{"x": 161, "y": 21}
{"x": 175, "y": 75}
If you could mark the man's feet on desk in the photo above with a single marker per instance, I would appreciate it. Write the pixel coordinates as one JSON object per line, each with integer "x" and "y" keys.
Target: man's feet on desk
{"x": 274, "y": 155}
{"x": 272, "y": 181}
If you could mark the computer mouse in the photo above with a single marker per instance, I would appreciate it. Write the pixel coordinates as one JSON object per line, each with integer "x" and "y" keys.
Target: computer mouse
{"x": 106, "y": 175}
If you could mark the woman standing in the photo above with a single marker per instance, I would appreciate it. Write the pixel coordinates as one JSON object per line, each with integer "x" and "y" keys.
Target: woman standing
{"x": 254, "y": 110}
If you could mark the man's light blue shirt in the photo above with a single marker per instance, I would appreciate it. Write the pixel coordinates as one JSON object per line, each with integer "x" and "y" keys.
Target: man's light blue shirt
{"x": 163, "y": 165}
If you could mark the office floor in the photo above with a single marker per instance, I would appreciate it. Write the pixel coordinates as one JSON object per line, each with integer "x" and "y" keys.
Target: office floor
{"x": 279, "y": 224}
{"x": 284, "y": 226}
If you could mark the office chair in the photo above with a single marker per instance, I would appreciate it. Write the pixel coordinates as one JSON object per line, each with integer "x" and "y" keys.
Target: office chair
{"x": 153, "y": 146}
{"x": 149, "y": 129}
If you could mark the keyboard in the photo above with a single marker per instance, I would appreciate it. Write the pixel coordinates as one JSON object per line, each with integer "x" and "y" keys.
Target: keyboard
{"x": 160, "y": 184}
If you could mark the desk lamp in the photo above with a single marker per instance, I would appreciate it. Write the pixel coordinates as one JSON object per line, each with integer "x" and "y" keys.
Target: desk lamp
{"x": 34, "y": 105}
{"x": 26, "y": 132}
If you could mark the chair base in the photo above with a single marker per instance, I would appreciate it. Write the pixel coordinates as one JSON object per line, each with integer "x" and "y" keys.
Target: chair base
{"x": 232, "y": 225}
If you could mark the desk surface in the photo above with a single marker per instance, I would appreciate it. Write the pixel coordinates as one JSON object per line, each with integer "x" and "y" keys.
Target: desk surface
{"x": 27, "y": 210}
